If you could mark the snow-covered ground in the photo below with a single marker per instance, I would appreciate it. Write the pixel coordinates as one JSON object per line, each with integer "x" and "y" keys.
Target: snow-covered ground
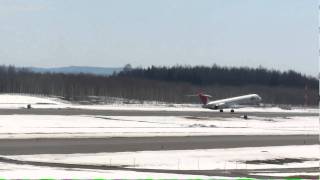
{"x": 13, "y": 171}
{"x": 45, "y": 126}
{"x": 200, "y": 159}
{"x": 16, "y": 101}
{"x": 28, "y": 99}
{"x": 209, "y": 159}
{"x": 187, "y": 107}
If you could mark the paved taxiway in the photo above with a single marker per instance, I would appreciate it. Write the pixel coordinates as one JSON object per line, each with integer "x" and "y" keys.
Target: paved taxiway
{"x": 95, "y": 145}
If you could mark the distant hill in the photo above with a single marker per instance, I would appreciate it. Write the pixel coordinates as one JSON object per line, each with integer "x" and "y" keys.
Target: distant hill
{"x": 77, "y": 70}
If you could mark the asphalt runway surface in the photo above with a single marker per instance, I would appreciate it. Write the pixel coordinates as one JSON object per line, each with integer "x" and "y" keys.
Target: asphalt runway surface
{"x": 213, "y": 113}
{"x": 122, "y": 144}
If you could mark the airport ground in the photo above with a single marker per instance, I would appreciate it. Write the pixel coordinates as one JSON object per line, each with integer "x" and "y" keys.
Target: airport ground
{"x": 151, "y": 141}
{"x": 36, "y": 146}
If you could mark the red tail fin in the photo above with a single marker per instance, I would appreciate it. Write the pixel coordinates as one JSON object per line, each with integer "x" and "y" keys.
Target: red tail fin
{"x": 204, "y": 98}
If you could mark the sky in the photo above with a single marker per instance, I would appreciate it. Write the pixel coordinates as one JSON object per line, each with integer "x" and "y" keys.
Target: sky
{"x": 277, "y": 34}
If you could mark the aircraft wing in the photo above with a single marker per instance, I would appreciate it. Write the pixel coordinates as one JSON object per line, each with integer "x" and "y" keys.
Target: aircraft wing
{"x": 237, "y": 106}
{"x": 229, "y": 105}
{"x": 221, "y": 104}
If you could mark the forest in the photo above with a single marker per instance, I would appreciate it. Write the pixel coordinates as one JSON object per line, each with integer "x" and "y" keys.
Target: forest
{"x": 167, "y": 84}
{"x": 216, "y": 75}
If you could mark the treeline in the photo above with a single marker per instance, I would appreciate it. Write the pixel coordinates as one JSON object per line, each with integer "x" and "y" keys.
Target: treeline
{"x": 77, "y": 86}
{"x": 216, "y": 75}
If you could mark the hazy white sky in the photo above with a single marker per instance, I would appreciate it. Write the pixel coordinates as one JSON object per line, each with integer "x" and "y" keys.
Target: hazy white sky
{"x": 279, "y": 34}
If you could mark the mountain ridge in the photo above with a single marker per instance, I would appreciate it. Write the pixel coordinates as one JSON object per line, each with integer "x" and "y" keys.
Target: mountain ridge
{"x": 77, "y": 70}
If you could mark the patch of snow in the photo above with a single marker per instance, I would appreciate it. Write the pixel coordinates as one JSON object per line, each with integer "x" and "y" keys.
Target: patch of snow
{"x": 288, "y": 174}
{"x": 50, "y": 126}
{"x": 209, "y": 159}
{"x": 13, "y": 171}
{"x": 189, "y": 107}
{"x": 277, "y": 109}
{"x": 141, "y": 107}
{"x": 15, "y": 101}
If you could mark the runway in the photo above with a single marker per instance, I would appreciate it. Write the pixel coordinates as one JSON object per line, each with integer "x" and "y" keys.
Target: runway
{"x": 95, "y": 145}
{"x": 212, "y": 113}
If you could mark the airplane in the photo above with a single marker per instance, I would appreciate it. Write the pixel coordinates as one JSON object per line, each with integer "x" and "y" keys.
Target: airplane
{"x": 234, "y": 102}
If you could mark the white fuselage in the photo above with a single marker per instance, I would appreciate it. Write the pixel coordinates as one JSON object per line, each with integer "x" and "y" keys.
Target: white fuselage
{"x": 234, "y": 102}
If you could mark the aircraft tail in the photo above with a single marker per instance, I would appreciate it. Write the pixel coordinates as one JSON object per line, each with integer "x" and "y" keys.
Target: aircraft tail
{"x": 204, "y": 98}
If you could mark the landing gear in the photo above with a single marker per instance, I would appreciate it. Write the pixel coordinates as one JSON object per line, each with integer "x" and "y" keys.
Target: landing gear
{"x": 245, "y": 116}
{"x": 232, "y": 110}
{"x": 221, "y": 110}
